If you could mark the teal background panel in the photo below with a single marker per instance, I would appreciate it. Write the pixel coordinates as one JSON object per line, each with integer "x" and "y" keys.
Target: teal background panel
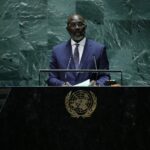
{"x": 29, "y": 30}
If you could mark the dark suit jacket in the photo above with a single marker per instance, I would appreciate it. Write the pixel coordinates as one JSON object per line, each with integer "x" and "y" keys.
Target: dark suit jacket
{"x": 62, "y": 58}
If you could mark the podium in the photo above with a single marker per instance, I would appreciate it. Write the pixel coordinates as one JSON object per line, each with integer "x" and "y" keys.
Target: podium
{"x": 37, "y": 118}
{"x": 96, "y": 71}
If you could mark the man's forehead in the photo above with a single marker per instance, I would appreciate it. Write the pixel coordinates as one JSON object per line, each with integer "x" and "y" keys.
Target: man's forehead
{"x": 76, "y": 18}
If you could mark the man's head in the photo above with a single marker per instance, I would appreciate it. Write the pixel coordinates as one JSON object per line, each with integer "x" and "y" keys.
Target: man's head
{"x": 76, "y": 27}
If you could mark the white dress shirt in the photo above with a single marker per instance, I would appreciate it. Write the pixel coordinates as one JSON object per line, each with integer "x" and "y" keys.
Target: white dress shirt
{"x": 80, "y": 47}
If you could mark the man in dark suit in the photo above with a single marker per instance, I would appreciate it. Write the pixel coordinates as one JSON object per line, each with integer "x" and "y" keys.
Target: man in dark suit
{"x": 78, "y": 53}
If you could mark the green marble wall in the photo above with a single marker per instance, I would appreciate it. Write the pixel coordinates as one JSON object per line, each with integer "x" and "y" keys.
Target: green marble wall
{"x": 30, "y": 28}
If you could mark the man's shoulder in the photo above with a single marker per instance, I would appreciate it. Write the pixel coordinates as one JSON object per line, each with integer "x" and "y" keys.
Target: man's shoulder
{"x": 95, "y": 43}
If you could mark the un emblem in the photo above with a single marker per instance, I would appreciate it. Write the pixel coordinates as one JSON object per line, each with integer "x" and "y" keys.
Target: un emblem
{"x": 80, "y": 103}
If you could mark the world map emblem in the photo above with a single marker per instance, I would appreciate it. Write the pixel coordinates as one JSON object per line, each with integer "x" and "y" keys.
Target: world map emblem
{"x": 80, "y": 103}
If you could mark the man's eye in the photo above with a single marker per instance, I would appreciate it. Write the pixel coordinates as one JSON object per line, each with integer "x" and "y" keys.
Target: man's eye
{"x": 80, "y": 24}
{"x": 76, "y": 24}
{"x": 73, "y": 24}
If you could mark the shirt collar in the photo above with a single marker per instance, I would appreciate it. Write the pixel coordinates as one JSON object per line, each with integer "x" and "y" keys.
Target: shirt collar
{"x": 82, "y": 42}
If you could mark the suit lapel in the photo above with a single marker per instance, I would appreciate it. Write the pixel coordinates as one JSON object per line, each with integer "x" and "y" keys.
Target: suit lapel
{"x": 69, "y": 58}
{"x": 86, "y": 53}
{"x": 69, "y": 55}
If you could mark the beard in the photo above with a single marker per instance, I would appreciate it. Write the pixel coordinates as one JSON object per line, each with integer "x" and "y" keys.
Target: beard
{"x": 77, "y": 37}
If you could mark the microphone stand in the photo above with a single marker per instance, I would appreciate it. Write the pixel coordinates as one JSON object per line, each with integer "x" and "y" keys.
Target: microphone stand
{"x": 95, "y": 66}
{"x": 67, "y": 69}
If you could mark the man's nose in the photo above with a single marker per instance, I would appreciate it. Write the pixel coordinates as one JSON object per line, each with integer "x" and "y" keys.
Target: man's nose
{"x": 77, "y": 26}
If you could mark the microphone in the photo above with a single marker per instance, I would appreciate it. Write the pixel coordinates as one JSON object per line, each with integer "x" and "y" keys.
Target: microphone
{"x": 67, "y": 68}
{"x": 95, "y": 66}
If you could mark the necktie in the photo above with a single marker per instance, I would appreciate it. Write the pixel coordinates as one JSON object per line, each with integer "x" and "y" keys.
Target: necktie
{"x": 76, "y": 56}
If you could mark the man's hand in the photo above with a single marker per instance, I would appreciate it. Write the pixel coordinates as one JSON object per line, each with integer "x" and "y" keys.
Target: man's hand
{"x": 93, "y": 83}
{"x": 66, "y": 84}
